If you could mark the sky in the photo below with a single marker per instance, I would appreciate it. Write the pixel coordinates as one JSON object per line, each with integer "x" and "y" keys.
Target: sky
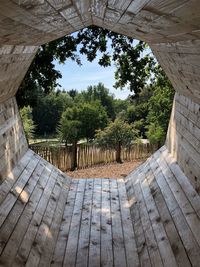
{"x": 90, "y": 73}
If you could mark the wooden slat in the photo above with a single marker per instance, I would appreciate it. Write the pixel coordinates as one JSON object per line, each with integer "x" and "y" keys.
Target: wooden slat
{"x": 45, "y": 225}
{"x": 117, "y": 230}
{"x": 183, "y": 181}
{"x": 6, "y": 186}
{"x": 165, "y": 249}
{"x": 137, "y": 224}
{"x": 137, "y": 5}
{"x": 59, "y": 251}
{"x": 170, "y": 228}
{"x": 51, "y": 240}
{"x": 19, "y": 206}
{"x": 13, "y": 144}
{"x": 17, "y": 236}
{"x": 84, "y": 236}
{"x": 72, "y": 242}
{"x": 150, "y": 239}
{"x": 93, "y": 224}
{"x": 94, "y": 246}
{"x": 27, "y": 216}
{"x": 37, "y": 218}
{"x": 184, "y": 204}
{"x": 17, "y": 188}
{"x": 129, "y": 236}
{"x": 106, "y": 228}
{"x": 187, "y": 237}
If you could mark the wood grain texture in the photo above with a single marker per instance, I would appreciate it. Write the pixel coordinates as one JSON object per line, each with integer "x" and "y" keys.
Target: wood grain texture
{"x": 13, "y": 144}
{"x": 14, "y": 63}
{"x": 155, "y": 21}
{"x": 150, "y": 219}
{"x": 45, "y": 220}
{"x": 183, "y": 140}
{"x": 172, "y": 206}
{"x": 170, "y": 27}
{"x": 180, "y": 61}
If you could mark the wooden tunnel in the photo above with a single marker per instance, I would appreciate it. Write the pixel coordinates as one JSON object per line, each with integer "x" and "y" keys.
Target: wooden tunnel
{"x": 152, "y": 218}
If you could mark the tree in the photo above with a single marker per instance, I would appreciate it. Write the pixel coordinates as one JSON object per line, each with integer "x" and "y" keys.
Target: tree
{"x": 72, "y": 93}
{"x": 29, "y": 127}
{"x": 120, "y": 106}
{"x": 138, "y": 109}
{"x": 159, "y": 109}
{"x": 70, "y": 131}
{"x": 81, "y": 121}
{"x": 116, "y": 135}
{"x": 134, "y": 67}
{"x": 42, "y": 76}
{"x": 101, "y": 94}
{"x": 47, "y": 112}
{"x": 92, "y": 116}
{"x": 155, "y": 133}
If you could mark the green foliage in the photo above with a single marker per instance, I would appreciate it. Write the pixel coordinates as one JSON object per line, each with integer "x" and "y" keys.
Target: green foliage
{"x": 42, "y": 76}
{"x": 133, "y": 66}
{"x": 99, "y": 93}
{"x": 26, "y": 116}
{"x": 136, "y": 68}
{"x": 138, "y": 110}
{"x": 115, "y": 132}
{"x": 70, "y": 131}
{"x": 84, "y": 119}
{"x": 156, "y": 134}
{"x": 47, "y": 113}
{"x": 115, "y": 135}
{"x": 120, "y": 105}
{"x": 160, "y": 105}
{"x": 92, "y": 116}
{"x": 69, "y": 128}
{"x": 133, "y": 70}
{"x": 72, "y": 93}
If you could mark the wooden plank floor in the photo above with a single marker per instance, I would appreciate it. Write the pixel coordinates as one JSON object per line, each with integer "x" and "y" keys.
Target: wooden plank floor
{"x": 165, "y": 210}
{"x": 150, "y": 219}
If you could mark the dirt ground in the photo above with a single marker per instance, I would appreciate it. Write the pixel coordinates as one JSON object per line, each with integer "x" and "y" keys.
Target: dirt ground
{"x": 112, "y": 170}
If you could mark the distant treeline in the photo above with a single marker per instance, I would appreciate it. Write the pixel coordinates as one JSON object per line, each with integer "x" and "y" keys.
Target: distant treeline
{"x": 149, "y": 112}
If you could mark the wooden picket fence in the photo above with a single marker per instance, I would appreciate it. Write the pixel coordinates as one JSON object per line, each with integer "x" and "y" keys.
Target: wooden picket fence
{"x": 91, "y": 155}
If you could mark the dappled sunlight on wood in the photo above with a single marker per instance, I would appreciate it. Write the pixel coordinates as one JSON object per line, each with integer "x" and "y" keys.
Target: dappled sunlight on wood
{"x": 105, "y": 210}
{"x": 57, "y": 219}
{"x": 13, "y": 141}
{"x": 23, "y": 194}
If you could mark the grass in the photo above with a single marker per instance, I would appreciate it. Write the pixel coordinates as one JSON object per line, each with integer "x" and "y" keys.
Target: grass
{"x": 51, "y": 141}
{"x": 44, "y": 141}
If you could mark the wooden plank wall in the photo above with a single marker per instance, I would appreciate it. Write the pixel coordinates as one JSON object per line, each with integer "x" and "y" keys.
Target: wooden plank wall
{"x": 13, "y": 144}
{"x": 14, "y": 63}
{"x": 171, "y": 27}
{"x": 37, "y": 22}
{"x": 183, "y": 139}
{"x": 181, "y": 63}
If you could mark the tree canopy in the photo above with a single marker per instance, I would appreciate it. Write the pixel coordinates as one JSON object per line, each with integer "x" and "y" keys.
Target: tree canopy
{"x": 148, "y": 109}
{"x": 47, "y": 112}
{"x": 29, "y": 127}
{"x": 98, "y": 93}
{"x": 81, "y": 121}
{"x": 86, "y": 118}
{"x": 133, "y": 66}
{"x": 159, "y": 109}
{"x": 117, "y": 134}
